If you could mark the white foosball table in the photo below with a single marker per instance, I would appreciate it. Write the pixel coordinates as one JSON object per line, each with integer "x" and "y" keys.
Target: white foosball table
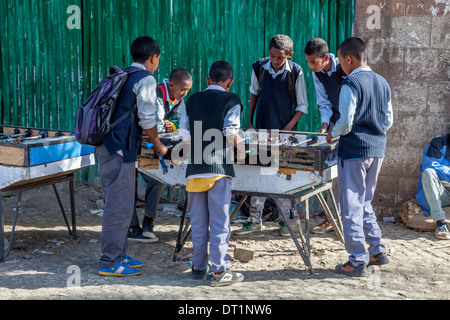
{"x": 304, "y": 167}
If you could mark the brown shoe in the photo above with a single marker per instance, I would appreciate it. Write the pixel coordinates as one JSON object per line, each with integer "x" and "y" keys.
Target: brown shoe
{"x": 352, "y": 271}
{"x": 324, "y": 227}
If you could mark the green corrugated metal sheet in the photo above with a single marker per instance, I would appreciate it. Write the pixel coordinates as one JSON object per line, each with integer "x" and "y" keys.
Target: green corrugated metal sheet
{"x": 41, "y": 64}
{"x": 48, "y": 69}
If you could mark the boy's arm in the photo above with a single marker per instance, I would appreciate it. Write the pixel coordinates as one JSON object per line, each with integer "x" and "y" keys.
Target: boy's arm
{"x": 302, "y": 102}
{"x": 175, "y": 119}
{"x": 389, "y": 118}
{"x": 231, "y": 127}
{"x": 254, "y": 90}
{"x": 347, "y": 109}
{"x": 325, "y": 106}
{"x": 160, "y": 114}
{"x": 293, "y": 122}
{"x": 145, "y": 91}
{"x": 252, "y": 108}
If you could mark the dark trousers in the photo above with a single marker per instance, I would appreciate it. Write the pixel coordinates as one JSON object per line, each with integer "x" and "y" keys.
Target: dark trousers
{"x": 152, "y": 196}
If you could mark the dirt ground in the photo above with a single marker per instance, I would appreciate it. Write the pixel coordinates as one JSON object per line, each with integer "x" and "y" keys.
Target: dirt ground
{"x": 46, "y": 263}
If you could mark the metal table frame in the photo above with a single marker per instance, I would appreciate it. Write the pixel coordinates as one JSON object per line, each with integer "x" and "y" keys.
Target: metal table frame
{"x": 296, "y": 197}
{"x": 19, "y": 191}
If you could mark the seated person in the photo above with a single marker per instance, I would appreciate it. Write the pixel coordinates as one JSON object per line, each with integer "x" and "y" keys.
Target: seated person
{"x": 434, "y": 186}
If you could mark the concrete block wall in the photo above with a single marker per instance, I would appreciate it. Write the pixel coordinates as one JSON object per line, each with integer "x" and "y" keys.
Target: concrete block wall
{"x": 409, "y": 45}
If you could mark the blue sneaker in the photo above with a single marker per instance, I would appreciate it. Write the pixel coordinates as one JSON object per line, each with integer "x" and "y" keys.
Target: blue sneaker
{"x": 131, "y": 262}
{"x": 120, "y": 269}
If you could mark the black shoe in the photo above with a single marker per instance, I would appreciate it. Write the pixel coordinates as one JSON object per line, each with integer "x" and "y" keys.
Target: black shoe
{"x": 135, "y": 234}
{"x": 199, "y": 274}
{"x": 147, "y": 229}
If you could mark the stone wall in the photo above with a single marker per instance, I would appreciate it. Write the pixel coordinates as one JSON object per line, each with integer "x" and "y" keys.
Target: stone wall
{"x": 409, "y": 45}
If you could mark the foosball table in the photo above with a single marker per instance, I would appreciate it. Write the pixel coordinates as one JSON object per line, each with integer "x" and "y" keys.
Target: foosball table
{"x": 302, "y": 165}
{"x": 32, "y": 158}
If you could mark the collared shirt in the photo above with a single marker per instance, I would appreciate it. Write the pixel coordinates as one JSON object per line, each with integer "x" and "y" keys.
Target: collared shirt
{"x": 231, "y": 124}
{"x": 300, "y": 86}
{"x": 325, "y": 105}
{"x": 347, "y": 109}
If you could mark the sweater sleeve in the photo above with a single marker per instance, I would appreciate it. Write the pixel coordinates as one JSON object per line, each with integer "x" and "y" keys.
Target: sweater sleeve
{"x": 347, "y": 109}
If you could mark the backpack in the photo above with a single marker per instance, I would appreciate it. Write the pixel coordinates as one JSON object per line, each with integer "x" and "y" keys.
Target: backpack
{"x": 93, "y": 121}
{"x": 292, "y": 77}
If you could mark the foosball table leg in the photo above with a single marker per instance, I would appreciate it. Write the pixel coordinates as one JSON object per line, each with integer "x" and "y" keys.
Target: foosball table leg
{"x": 11, "y": 238}
{"x": 72, "y": 207}
{"x": 183, "y": 230}
{"x": 73, "y": 231}
{"x": 303, "y": 250}
{"x": 2, "y": 232}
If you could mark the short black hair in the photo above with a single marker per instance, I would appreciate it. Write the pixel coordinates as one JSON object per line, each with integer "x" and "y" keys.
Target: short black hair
{"x": 317, "y": 46}
{"x": 178, "y": 75}
{"x": 143, "y": 48}
{"x": 282, "y": 42}
{"x": 355, "y": 47}
{"x": 221, "y": 71}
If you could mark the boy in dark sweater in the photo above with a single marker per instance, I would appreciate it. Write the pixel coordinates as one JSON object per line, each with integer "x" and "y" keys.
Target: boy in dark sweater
{"x": 117, "y": 158}
{"x": 328, "y": 76}
{"x": 278, "y": 96}
{"x": 366, "y": 115}
{"x": 215, "y": 112}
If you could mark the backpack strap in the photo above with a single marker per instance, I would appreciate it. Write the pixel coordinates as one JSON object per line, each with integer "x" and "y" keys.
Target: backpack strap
{"x": 292, "y": 79}
{"x": 260, "y": 73}
{"x": 129, "y": 113}
{"x": 339, "y": 74}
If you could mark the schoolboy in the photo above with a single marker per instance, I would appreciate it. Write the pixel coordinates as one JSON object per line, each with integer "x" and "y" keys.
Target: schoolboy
{"x": 117, "y": 158}
{"x": 278, "y": 95}
{"x": 366, "y": 115}
{"x": 210, "y": 173}
{"x": 170, "y": 105}
{"x": 328, "y": 76}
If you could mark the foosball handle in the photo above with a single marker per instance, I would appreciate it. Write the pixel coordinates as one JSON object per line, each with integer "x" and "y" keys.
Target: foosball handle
{"x": 161, "y": 158}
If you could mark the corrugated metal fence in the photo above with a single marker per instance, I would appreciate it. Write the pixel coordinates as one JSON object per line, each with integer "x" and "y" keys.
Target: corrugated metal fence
{"x": 53, "y": 52}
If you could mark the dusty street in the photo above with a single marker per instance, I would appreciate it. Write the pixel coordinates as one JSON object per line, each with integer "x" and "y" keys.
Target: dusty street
{"x": 46, "y": 264}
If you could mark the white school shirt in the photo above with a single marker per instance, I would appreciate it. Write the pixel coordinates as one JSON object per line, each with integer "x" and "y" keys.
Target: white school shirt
{"x": 300, "y": 85}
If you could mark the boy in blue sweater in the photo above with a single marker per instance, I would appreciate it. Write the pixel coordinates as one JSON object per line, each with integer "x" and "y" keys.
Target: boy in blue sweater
{"x": 366, "y": 115}
{"x": 433, "y": 191}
